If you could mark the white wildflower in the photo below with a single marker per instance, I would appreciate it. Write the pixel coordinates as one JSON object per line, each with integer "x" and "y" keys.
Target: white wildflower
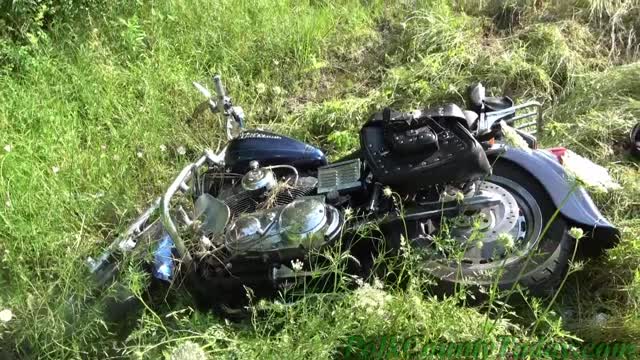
{"x": 576, "y": 233}
{"x": 277, "y": 90}
{"x": 296, "y": 265}
{"x": 278, "y": 306}
{"x": 576, "y": 266}
{"x": 188, "y": 351}
{"x": 262, "y": 304}
{"x": 206, "y": 242}
{"x": 140, "y": 154}
{"x": 103, "y": 147}
{"x": 163, "y": 147}
{"x": 6, "y": 315}
{"x": 387, "y": 192}
{"x": 55, "y": 169}
{"x": 600, "y": 319}
{"x": 372, "y": 299}
{"x": 181, "y": 150}
{"x": 8, "y": 148}
{"x": 588, "y": 174}
{"x": 377, "y": 283}
{"x": 506, "y": 240}
{"x": 261, "y": 88}
{"x": 512, "y": 138}
{"x": 403, "y": 242}
{"x": 348, "y": 213}
{"x": 359, "y": 281}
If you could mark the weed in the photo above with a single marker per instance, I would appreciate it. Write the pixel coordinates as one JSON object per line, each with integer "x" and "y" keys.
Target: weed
{"x": 86, "y": 86}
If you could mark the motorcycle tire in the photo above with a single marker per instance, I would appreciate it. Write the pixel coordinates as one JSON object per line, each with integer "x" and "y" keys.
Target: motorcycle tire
{"x": 634, "y": 141}
{"x": 542, "y": 270}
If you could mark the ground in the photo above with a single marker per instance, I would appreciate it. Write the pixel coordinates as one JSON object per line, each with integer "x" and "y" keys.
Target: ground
{"x": 95, "y": 120}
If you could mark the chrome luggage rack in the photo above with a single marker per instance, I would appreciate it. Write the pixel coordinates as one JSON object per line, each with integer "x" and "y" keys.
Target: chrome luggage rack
{"x": 494, "y": 116}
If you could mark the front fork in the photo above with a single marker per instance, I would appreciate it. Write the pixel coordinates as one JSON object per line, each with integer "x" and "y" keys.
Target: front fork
{"x": 156, "y": 227}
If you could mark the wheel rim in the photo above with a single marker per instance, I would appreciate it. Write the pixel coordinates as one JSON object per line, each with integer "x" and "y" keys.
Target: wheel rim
{"x": 477, "y": 237}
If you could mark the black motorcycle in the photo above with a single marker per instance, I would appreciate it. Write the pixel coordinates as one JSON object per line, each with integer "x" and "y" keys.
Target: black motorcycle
{"x": 259, "y": 214}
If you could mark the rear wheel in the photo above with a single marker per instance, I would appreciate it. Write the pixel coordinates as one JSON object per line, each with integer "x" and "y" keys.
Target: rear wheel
{"x": 506, "y": 243}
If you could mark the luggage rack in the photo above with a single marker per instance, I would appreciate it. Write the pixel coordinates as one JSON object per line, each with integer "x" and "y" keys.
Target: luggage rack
{"x": 532, "y": 127}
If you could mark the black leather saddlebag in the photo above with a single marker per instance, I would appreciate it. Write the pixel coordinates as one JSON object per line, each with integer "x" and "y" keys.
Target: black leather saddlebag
{"x": 412, "y": 151}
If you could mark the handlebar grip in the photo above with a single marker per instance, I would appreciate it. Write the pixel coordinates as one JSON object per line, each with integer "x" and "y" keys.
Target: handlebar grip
{"x": 217, "y": 83}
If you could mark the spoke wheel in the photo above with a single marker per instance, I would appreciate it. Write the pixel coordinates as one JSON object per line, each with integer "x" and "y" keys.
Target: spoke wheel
{"x": 504, "y": 243}
{"x": 499, "y": 234}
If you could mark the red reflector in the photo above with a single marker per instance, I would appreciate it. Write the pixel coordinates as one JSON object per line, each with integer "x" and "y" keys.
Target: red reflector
{"x": 558, "y": 152}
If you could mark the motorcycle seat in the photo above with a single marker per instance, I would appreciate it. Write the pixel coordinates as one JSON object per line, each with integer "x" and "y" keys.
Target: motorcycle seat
{"x": 449, "y": 112}
{"x": 498, "y": 103}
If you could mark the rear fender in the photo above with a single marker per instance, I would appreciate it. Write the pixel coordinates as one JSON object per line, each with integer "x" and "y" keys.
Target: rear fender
{"x": 577, "y": 208}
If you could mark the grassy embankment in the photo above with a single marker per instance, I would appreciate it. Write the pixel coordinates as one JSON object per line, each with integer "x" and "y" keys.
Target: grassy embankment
{"x": 90, "y": 97}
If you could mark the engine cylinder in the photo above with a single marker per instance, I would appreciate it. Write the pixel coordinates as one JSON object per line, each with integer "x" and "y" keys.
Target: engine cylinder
{"x": 258, "y": 178}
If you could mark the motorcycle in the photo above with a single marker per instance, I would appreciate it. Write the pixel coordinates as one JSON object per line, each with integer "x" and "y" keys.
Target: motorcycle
{"x": 634, "y": 141}
{"x": 259, "y": 214}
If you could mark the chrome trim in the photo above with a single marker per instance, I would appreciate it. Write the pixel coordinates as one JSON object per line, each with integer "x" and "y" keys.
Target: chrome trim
{"x": 125, "y": 242}
{"x": 488, "y": 119}
{"x": 180, "y": 183}
{"x": 339, "y": 176}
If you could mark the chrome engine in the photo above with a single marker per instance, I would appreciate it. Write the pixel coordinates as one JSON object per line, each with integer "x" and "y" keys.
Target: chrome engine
{"x": 274, "y": 215}
{"x": 306, "y": 223}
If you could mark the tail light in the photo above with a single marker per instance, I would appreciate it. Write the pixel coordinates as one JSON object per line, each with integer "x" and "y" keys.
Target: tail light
{"x": 558, "y": 152}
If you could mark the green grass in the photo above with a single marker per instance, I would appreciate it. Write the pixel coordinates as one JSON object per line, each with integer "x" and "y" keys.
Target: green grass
{"x": 97, "y": 94}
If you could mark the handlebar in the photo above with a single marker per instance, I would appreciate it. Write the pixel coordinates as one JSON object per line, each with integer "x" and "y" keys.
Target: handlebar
{"x": 224, "y": 102}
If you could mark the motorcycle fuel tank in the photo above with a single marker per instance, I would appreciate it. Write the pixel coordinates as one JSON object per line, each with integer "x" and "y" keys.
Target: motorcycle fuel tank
{"x": 270, "y": 149}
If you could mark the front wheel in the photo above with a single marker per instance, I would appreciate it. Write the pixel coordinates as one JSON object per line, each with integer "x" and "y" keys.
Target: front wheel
{"x": 507, "y": 244}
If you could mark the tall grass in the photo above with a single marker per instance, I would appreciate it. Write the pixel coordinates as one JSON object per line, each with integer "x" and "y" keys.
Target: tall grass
{"x": 89, "y": 102}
